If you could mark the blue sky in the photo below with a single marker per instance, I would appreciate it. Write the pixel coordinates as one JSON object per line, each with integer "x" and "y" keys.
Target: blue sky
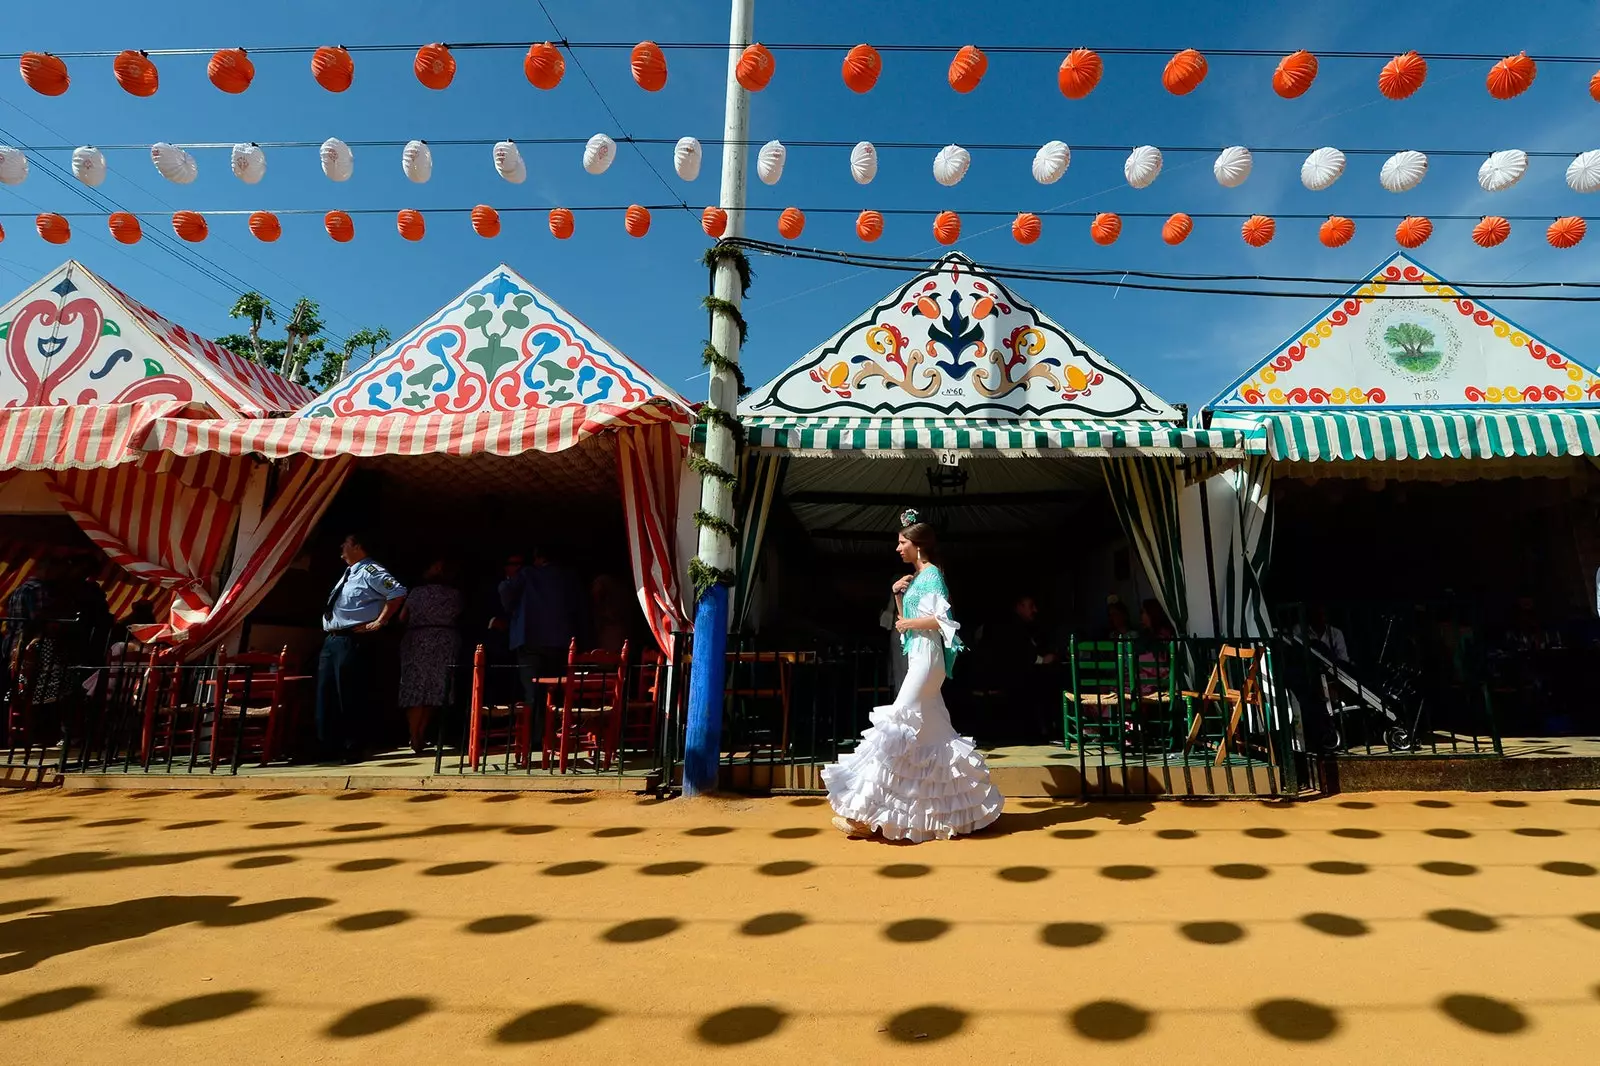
{"x": 643, "y": 295}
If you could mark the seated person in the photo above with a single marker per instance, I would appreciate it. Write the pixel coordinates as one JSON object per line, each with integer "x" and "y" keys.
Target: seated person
{"x": 1318, "y": 630}
{"x": 1118, "y": 622}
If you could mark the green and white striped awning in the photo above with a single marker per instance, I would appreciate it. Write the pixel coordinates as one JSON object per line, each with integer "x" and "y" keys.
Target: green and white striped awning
{"x": 1313, "y": 436}
{"x": 798, "y": 435}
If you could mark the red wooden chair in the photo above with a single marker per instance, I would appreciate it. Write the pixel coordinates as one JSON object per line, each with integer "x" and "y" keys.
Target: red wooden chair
{"x": 250, "y": 705}
{"x": 174, "y": 713}
{"x": 641, "y": 722}
{"x": 494, "y": 728}
{"x": 589, "y": 715}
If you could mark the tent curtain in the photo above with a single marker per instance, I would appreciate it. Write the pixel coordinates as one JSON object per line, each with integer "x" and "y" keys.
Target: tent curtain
{"x": 1145, "y": 495}
{"x": 1243, "y": 601}
{"x": 760, "y": 475}
{"x": 166, "y": 522}
{"x": 270, "y": 536}
{"x": 649, "y": 459}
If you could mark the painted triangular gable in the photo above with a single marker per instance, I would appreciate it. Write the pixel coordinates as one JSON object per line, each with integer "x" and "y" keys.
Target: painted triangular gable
{"x": 71, "y": 338}
{"x": 1441, "y": 348}
{"x": 502, "y": 345}
{"x": 954, "y": 342}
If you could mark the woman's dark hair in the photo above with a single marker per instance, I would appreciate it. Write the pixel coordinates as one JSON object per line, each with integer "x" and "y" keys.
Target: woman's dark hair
{"x": 1159, "y": 622}
{"x": 922, "y": 535}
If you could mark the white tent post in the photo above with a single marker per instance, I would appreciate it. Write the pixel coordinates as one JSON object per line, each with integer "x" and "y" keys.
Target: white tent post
{"x": 703, "y": 735}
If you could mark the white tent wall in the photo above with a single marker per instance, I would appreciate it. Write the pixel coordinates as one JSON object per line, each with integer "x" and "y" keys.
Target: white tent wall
{"x": 1223, "y": 573}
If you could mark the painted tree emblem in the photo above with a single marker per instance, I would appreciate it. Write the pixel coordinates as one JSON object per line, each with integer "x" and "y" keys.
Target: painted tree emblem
{"x": 1412, "y": 346}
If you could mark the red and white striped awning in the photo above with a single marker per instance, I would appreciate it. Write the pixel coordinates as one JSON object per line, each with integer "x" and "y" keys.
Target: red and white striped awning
{"x": 82, "y": 437}
{"x": 550, "y": 429}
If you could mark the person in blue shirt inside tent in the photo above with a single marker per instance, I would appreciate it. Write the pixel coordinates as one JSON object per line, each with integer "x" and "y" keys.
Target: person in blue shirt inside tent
{"x": 364, "y": 600}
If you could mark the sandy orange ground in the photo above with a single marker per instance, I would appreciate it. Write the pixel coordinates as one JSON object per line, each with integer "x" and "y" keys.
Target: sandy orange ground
{"x": 226, "y": 927}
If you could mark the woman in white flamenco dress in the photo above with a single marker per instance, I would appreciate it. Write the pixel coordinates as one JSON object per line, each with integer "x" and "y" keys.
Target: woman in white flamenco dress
{"x": 913, "y": 777}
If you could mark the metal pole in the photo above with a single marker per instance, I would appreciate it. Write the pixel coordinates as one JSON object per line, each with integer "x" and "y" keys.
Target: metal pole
{"x": 703, "y": 735}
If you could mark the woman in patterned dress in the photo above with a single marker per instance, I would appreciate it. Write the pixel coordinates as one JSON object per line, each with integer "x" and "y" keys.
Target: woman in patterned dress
{"x": 428, "y": 651}
{"x": 913, "y": 777}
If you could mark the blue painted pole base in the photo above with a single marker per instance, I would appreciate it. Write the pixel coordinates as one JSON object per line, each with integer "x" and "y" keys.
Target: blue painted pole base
{"x": 702, "y": 741}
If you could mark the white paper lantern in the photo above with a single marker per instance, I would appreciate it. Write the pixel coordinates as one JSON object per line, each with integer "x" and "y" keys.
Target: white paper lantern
{"x": 1403, "y": 171}
{"x": 13, "y": 165}
{"x": 89, "y": 165}
{"x": 1051, "y": 161}
{"x": 1503, "y": 170}
{"x": 338, "y": 162}
{"x": 174, "y": 163}
{"x": 1143, "y": 166}
{"x": 864, "y": 162}
{"x": 508, "y": 162}
{"x": 1321, "y": 169}
{"x": 769, "y": 162}
{"x": 1233, "y": 166}
{"x": 599, "y": 153}
{"x": 950, "y": 164}
{"x": 1583, "y": 173}
{"x": 686, "y": 157}
{"x": 249, "y": 163}
{"x": 416, "y": 159}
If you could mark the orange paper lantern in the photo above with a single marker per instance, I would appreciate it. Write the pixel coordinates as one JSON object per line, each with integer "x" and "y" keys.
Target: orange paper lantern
{"x": 544, "y": 65}
{"x": 1511, "y": 76}
{"x": 125, "y": 228}
{"x": 649, "y": 66}
{"x": 947, "y": 227}
{"x": 485, "y": 221}
{"x": 411, "y": 225}
{"x": 333, "y": 68}
{"x": 1106, "y": 228}
{"x": 1490, "y": 231}
{"x": 1413, "y": 231}
{"x": 230, "y": 70}
{"x": 637, "y": 221}
{"x": 967, "y": 68}
{"x": 340, "y": 226}
{"x": 1185, "y": 71}
{"x": 1337, "y": 231}
{"x": 136, "y": 73}
{"x": 862, "y": 65}
{"x": 264, "y": 226}
{"x": 190, "y": 226}
{"x": 1296, "y": 71}
{"x": 869, "y": 226}
{"x": 53, "y": 228}
{"x": 1402, "y": 76}
{"x": 1177, "y": 228}
{"x": 434, "y": 66}
{"x": 1080, "y": 73}
{"x": 791, "y": 223}
{"x": 561, "y": 223}
{"x": 1258, "y": 230}
{"x": 1026, "y": 227}
{"x": 714, "y": 220}
{"x": 2, "y": 233}
{"x": 1566, "y": 232}
{"x": 45, "y": 74}
{"x": 755, "y": 67}
{"x": 1594, "y": 86}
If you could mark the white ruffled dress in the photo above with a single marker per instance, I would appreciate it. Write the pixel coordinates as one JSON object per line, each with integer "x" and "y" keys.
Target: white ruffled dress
{"x": 913, "y": 777}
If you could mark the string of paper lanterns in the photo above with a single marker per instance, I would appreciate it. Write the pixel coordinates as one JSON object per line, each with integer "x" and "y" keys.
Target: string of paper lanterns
{"x": 333, "y": 68}
{"x": 1105, "y": 228}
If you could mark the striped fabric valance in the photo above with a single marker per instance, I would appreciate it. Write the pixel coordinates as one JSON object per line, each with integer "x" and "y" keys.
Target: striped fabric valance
{"x": 1312, "y": 436}
{"x": 1082, "y": 437}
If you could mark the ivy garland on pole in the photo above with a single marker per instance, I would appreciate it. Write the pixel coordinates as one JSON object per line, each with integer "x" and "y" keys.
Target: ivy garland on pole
{"x": 702, "y": 574}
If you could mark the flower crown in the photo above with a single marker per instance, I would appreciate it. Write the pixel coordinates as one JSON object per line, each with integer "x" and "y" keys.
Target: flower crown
{"x": 909, "y": 517}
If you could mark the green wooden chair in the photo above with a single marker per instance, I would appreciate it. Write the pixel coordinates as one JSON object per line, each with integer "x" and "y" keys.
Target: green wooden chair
{"x": 1093, "y": 711}
{"x": 1157, "y": 715}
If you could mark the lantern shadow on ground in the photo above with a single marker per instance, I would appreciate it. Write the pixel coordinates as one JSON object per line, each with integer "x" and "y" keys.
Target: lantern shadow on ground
{"x": 1296, "y": 1020}
{"x": 529, "y": 830}
{"x": 1464, "y": 921}
{"x": 1356, "y": 834}
{"x": 641, "y": 930}
{"x": 361, "y": 866}
{"x": 672, "y": 869}
{"x": 456, "y": 869}
{"x": 1591, "y": 920}
{"x": 1484, "y": 1014}
{"x": 201, "y": 824}
{"x": 740, "y": 1025}
{"x": 1339, "y": 869}
{"x": 197, "y": 1009}
{"x": 1122, "y": 813}
{"x": 379, "y": 1017}
{"x": 1109, "y": 1020}
{"x": 274, "y": 825}
{"x": 1241, "y": 871}
{"x": 796, "y": 833}
{"x": 1336, "y": 924}
{"x": 708, "y": 831}
{"x": 617, "y": 831}
{"x": 1448, "y": 834}
{"x": 926, "y": 1023}
{"x": 1215, "y": 933}
{"x": 903, "y": 870}
{"x": 807, "y": 801}
{"x": 1570, "y": 869}
{"x": 357, "y": 827}
{"x": 1448, "y": 869}
{"x": 573, "y": 869}
{"x": 1266, "y": 832}
{"x": 109, "y": 822}
{"x": 916, "y": 930}
{"x": 785, "y": 869}
{"x": 773, "y": 924}
{"x": 502, "y": 923}
{"x": 51, "y": 1002}
{"x": 555, "y": 1022}
{"x": 345, "y": 797}
{"x": 362, "y": 923}
{"x": 19, "y": 906}
{"x": 1072, "y": 934}
{"x": 1022, "y": 875}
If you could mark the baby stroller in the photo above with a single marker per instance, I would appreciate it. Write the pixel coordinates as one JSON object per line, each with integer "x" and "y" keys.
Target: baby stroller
{"x": 1388, "y": 697}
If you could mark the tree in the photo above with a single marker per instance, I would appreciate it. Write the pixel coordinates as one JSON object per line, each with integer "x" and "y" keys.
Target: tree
{"x": 303, "y": 354}
{"x": 256, "y": 308}
{"x": 303, "y": 340}
{"x": 370, "y": 339}
{"x": 1415, "y": 342}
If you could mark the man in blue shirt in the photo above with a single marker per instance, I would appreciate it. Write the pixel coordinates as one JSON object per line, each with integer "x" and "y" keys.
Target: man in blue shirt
{"x": 363, "y": 601}
{"x": 542, "y": 604}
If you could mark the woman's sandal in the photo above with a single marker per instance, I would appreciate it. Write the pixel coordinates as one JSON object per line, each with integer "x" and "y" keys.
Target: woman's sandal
{"x": 853, "y": 829}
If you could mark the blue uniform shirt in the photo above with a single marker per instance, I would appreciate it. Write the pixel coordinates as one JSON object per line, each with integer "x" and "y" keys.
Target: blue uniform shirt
{"x": 360, "y": 594}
